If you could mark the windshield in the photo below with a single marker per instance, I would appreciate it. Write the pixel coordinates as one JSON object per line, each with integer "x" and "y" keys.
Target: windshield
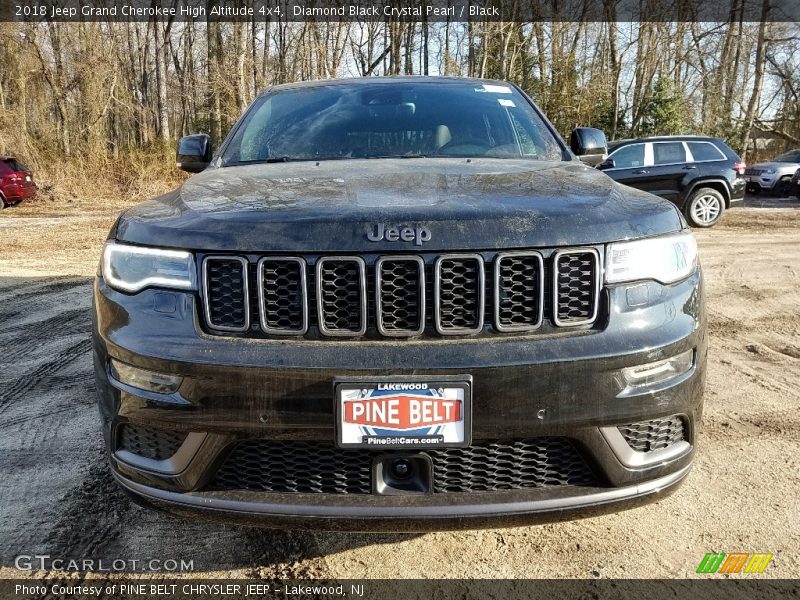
{"x": 388, "y": 120}
{"x": 790, "y": 157}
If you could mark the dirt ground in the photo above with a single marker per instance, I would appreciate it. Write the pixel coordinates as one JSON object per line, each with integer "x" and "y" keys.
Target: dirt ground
{"x": 58, "y": 498}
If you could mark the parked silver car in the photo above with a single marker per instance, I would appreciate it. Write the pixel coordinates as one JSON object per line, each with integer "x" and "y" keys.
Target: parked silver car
{"x": 774, "y": 176}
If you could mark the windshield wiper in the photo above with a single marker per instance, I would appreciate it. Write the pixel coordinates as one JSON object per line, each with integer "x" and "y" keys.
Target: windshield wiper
{"x": 277, "y": 159}
{"x": 409, "y": 155}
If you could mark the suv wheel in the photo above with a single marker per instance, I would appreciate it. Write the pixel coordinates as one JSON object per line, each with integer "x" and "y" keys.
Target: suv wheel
{"x": 2, "y": 202}
{"x": 784, "y": 187}
{"x": 705, "y": 207}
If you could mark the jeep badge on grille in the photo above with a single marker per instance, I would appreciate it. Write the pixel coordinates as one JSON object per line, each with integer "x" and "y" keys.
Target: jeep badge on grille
{"x": 418, "y": 235}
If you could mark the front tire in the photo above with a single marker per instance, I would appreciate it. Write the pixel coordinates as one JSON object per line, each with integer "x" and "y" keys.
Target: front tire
{"x": 705, "y": 207}
{"x": 784, "y": 187}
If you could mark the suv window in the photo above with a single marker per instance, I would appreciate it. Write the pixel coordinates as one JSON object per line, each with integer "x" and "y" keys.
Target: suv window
{"x": 398, "y": 120}
{"x": 790, "y": 157}
{"x": 668, "y": 153}
{"x": 705, "y": 151}
{"x": 12, "y": 165}
{"x": 628, "y": 157}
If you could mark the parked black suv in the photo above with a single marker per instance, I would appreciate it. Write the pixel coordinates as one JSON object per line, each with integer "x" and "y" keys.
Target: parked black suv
{"x": 702, "y": 175}
{"x": 794, "y": 184}
{"x": 399, "y": 304}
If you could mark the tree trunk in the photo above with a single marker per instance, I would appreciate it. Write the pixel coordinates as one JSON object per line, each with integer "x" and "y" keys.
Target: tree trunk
{"x": 755, "y": 96}
{"x": 159, "y": 46}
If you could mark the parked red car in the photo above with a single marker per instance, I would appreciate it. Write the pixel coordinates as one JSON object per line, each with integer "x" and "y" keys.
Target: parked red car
{"x": 16, "y": 182}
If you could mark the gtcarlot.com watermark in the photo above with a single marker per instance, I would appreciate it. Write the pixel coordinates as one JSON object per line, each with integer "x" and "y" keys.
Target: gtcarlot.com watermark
{"x": 46, "y": 562}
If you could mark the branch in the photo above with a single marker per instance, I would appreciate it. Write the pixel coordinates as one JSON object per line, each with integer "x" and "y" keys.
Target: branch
{"x": 762, "y": 125}
{"x": 378, "y": 60}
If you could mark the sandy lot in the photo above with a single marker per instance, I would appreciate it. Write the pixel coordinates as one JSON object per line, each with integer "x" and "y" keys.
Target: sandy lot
{"x": 58, "y": 498}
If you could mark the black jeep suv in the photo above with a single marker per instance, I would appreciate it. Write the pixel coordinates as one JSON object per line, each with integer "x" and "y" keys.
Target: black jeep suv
{"x": 702, "y": 175}
{"x": 399, "y": 304}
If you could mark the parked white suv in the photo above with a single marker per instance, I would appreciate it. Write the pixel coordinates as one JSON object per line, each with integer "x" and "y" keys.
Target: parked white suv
{"x": 774, "y": 176}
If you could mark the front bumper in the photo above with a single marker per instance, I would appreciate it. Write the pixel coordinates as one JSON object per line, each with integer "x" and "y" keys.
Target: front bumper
{"x": 764, "y": 182}
{"x": 533, "y": 386}
{"x": 425, "y": 514}
{"x": 738, "y": 189}
{"x": 17, "y": 193}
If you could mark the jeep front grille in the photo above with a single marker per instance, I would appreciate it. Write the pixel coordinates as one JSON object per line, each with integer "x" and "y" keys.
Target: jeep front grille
{"x": 459, "y": 294}
{"x": 576, "y": 286}
{"x": 342, "y": 296}
{"x": 402, "y": 295}
{"x": 518, "y": 291}
{"x": 225, "y": 283}
{"x": 282, "y": 300}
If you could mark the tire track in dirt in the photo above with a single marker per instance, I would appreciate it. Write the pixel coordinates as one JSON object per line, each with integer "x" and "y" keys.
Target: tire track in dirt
{"x": 28, "y": 382}
{"x": 14, "y": 421}
{"x": 92, "y": 513}
{"x": 33, "y": 336}
{"x": 37, "y": 290}
{"x": 68, "y": 321}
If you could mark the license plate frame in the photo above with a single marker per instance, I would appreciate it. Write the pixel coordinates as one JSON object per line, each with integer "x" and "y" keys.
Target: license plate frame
{"x": 442, "y": 391}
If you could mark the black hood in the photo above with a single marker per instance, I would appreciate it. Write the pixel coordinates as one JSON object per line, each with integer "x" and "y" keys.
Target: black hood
{"x": 331, "y": 206}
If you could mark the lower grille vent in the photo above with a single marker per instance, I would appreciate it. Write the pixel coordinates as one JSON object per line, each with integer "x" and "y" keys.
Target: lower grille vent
{"x": 657, "y": 434}
{"x": 155, "y": 444}
{"x": 320, "y": 467}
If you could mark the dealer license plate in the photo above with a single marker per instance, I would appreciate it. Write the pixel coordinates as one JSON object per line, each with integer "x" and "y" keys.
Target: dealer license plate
{"x": 403, "y": 412}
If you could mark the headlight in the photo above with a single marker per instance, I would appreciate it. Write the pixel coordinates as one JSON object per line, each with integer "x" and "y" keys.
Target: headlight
{"x": 133, "y": 268}
{"x": 771, "y": 171}
{"x": 667, "y": 259}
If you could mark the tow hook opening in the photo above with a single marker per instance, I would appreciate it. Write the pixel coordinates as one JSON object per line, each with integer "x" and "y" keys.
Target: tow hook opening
{"x": 402, "y": 474}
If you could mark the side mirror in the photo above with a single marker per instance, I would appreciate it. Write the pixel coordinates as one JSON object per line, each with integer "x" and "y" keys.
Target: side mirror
{"x": 607, "y": 164}
{"x": 194, "y": 153}
{"x": 588, "y": 144}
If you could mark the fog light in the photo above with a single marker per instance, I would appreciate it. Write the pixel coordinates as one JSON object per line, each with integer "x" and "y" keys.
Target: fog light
{"x": 145, "y": 380}
{"x": 660, "y": 370}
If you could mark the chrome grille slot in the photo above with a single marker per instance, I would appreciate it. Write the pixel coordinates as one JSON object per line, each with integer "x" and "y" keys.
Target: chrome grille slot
{"x": 226, "y": 293}
{"x": 518, "y": 291}
{"x": 459, "y": 294}
{"x": 282, "y": 295}
{"x": 576, "y": 286}
{"x": 400, "y": 295}
{"x": 341, "y": 296}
